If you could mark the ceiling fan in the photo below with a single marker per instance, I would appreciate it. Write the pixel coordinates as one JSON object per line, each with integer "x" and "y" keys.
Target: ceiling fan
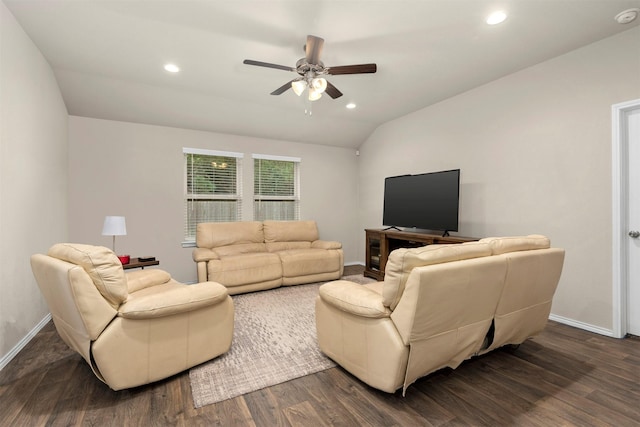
{"x": 312, "y": 72}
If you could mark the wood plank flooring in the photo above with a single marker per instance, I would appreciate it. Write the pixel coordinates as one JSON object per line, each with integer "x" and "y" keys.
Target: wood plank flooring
{"x": 563, "y": 377}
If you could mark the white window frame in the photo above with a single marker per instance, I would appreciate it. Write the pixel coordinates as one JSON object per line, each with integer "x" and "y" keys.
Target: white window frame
{"x": 295, "y": 197}
{"x": 188, "y": 240}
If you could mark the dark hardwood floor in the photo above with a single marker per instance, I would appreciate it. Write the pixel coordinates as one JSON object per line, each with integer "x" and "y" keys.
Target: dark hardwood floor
{"x": 563, "y": 377}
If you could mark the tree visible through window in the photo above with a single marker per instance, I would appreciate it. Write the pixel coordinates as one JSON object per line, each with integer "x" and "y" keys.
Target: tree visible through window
{"x": 276, "y": 188}
{"x": 212, "y": 190}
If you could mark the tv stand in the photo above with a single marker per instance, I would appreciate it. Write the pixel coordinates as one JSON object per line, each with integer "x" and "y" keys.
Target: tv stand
{"x": 381, "y": 242}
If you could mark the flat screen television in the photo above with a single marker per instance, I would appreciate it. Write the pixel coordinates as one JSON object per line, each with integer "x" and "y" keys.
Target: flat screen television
{"x": 427, "y": 201}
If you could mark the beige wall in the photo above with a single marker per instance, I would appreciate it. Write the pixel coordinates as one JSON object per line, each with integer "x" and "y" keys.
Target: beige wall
{"x": 535, "y": 153}
{"x": 135, "y": 170}
{"x": 33, "y": 177}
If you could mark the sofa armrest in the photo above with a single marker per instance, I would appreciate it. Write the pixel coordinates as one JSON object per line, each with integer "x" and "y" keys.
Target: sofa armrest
{"x": 326, "y": 244}
{"x": 354, "y": 298}
{"x": 204, "y": 254}
{"x": 172, "y": 298}
{"x": 141, "y": 279}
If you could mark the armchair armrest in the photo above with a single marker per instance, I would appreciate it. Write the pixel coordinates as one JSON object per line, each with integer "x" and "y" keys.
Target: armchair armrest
{"x": 326, "y": 244}
{"x": 171, "y": 298}
{"x": 203, "y": 254}
{"x": 354, "y": 298}
{"x": 141, "y": 279}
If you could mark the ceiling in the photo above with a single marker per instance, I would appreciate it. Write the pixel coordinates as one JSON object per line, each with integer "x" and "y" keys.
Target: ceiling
{"x": 108, "y": 57}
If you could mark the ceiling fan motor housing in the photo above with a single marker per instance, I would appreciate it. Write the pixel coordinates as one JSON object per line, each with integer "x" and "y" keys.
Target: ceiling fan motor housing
{"x": 303, "y": 67}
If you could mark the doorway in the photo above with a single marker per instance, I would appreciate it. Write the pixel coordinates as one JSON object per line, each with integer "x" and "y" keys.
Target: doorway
{"x": 626, "y": 218}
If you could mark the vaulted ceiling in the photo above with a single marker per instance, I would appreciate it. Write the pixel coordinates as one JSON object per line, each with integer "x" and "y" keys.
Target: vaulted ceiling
{"x": 108, "y": 57}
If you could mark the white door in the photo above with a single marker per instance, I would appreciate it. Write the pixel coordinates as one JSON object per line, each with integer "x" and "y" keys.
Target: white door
{"x": 633, "y": 240}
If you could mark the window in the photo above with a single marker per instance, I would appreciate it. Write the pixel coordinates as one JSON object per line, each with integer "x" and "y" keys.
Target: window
{"x": 276, "y": 188}
{"x": 212, "y": 188}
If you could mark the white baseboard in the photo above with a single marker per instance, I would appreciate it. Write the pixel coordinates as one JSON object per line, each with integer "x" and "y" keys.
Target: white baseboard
{"x": 582, "y": 325}
{"x": 23, "y": 342}
{"x": 353, "y": 263}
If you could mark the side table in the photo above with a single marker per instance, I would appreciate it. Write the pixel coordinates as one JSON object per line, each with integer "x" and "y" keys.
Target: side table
{"x": 136, "y": 263}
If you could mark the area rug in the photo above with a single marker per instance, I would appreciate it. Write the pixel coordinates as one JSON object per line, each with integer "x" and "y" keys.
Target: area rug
{"x": 274, "y": 341}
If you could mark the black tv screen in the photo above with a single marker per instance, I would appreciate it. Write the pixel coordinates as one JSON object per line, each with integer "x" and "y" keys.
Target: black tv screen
{"x": 427, "y": 201}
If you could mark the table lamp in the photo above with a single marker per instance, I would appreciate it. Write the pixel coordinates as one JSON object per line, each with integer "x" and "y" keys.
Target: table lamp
{"x": 115, "y": 226}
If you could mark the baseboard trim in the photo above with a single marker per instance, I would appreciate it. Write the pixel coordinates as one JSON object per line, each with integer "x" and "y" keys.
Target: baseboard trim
{"x": 353, "y": 263}
{"x": 582, "y": 325}
{"x": 23, "y": 342}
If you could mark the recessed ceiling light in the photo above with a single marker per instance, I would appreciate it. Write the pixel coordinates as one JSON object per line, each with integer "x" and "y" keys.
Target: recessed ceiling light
{"x": 172, "y": 68}
{"x": 496, "y": 17}
{"x": 627, "y": 16}
{"x": 351, "y": 105}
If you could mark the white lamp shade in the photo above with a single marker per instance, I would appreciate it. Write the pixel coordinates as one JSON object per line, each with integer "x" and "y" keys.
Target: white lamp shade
{"x": 114, "y": 226}
{"x": 314, "y": 95}
{"x": 319, "y": 84}
{"x": 298, "y": 86}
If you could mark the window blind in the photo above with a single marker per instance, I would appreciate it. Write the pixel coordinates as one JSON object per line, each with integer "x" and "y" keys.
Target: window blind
{"x": 212, "y": 188}
{"x": 276, "y": 188}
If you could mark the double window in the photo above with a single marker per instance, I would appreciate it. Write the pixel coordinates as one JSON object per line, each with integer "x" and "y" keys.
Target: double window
{"x": 213, "y": 188}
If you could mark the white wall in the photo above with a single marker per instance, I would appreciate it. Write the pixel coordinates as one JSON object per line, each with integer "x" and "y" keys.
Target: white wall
{"x": 33, "y": 178}
{"x": 535, "y": 153}
{"x": 135, "y": 170}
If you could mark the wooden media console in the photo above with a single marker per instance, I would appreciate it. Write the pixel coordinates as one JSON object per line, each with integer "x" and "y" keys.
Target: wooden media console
{"x": 380, "y": 243}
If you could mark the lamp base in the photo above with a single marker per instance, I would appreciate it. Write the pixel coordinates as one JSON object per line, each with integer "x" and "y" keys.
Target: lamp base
{"x": 124, "y": 259}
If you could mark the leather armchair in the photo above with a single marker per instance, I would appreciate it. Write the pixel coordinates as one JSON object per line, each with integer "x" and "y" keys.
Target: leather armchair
{"x": 132, "y": 328}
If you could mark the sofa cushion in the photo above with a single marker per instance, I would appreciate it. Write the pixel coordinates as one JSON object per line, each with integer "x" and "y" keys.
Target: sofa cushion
{"x": 290, "y": 231}
{"x": 101, "y": 264}
{"x": 245, "y": 269}
{"x": 501, "y": 245}
{"x": 286, "y": 246}
{"x": 304, "y": 262}
{"x": 239, "y": 249}
{"x": 402, "y": 261}
{"x": 215, "y": 234}
{"x": 326, "y": 244}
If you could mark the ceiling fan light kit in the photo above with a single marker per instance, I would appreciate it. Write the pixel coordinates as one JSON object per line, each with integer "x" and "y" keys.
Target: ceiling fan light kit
{"x": 316, "y": 85}
{"x": 298, "y": 86}
{"x": 312, "y": 72}
{"x": 314, "y": 95}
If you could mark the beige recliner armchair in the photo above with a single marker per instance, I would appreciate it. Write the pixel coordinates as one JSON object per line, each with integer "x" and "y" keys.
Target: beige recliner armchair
{"x": 132, "y": 328}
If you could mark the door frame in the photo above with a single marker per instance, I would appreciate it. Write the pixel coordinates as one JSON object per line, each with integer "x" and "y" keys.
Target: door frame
{"x": 620, "y": 186}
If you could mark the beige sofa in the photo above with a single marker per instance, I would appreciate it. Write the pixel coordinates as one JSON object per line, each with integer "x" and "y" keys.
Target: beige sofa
{"x": 254, "y": 255}
{"x": 438, "y": 306}
{"x": 132, "y": 328}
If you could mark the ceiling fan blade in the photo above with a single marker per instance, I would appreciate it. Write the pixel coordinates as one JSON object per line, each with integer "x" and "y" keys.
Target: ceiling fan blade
{"x": 352, "y": 69}
{"x": 282, "y": 88}
{"x": 332, "y": 91}
{"x": 313, "y": 49}
{"x": 268, "y": 65}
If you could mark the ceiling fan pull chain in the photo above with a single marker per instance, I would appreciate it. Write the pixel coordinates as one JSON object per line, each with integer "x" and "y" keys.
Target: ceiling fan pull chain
{"x": 307, "y": 108}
